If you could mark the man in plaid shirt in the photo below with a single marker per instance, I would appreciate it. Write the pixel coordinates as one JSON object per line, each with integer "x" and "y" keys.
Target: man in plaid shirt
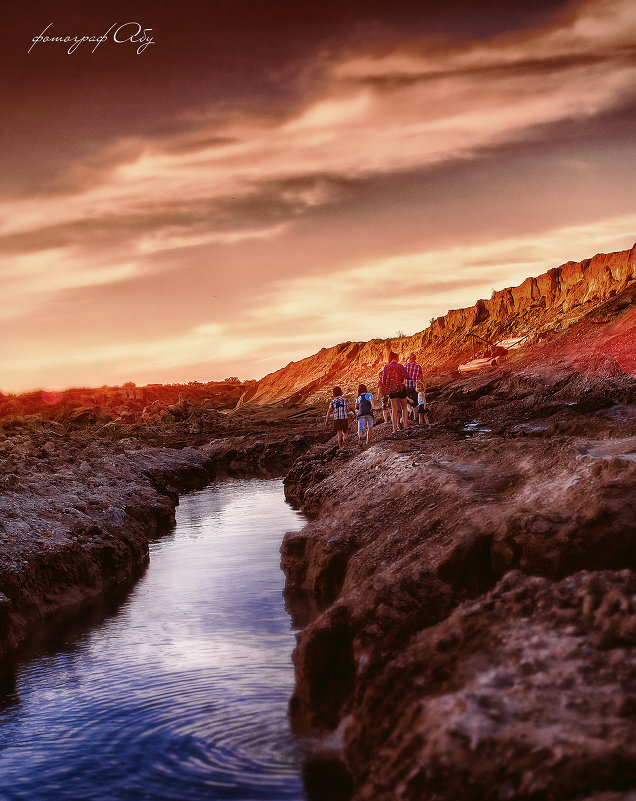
{"x": 414, "y": 372}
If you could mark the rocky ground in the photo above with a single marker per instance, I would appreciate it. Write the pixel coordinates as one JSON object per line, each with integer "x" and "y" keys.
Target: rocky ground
{"x": 466, "y": 593}
{"x": 80, "y": 498}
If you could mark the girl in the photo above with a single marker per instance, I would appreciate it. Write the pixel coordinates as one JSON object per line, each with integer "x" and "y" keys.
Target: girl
{"x": 364, "y": 411}
{"x": 339, "y": 410}
{"x": 422, "y": 406}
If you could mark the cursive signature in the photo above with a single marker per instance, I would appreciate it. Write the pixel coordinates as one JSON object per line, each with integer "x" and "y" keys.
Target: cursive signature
{"x": 128, "y": 33}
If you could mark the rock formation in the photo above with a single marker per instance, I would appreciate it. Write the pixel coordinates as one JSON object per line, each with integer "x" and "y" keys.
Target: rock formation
{"x": 128, "y": 403}
{"x": 542, "y": 307}
{"x": 466, "y": 593}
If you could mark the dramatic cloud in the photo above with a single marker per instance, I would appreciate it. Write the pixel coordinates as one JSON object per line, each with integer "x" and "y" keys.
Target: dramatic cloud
{"x": 250, "y": 221}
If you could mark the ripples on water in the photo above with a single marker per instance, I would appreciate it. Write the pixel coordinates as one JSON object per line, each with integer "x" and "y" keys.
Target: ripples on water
{"x": 180, "y": 695}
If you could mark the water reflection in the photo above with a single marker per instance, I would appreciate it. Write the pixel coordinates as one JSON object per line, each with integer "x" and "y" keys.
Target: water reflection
{"x": 180, "y": 695}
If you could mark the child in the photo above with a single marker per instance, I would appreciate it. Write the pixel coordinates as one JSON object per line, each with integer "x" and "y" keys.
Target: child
{"x": 340, "y": 411}
{"x": 422, "y": 406}
{"x": 364, "y": 411}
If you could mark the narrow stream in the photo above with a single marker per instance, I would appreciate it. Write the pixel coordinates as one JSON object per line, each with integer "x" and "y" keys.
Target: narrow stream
{"x": 181, "y": 692}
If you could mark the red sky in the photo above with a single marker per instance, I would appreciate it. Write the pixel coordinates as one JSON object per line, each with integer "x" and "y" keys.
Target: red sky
{"x": 270, "y": 177}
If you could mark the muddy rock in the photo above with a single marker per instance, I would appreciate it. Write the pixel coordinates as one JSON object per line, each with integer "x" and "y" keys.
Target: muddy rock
{"x": 525, "y": 693}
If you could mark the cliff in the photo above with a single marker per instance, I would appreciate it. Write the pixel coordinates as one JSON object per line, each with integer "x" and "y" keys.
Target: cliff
{"x": 543, "y": 307}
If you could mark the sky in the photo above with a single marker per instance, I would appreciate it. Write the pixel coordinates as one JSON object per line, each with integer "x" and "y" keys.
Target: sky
{"x": 210, "y": 188}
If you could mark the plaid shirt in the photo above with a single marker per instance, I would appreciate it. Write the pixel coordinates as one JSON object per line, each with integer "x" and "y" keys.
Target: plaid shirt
{"x": 414, "y": 372}
{"x": 340, "y": 407}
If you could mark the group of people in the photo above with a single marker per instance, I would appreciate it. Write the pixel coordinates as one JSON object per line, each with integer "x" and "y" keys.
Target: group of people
{"x": 400, "y": 389}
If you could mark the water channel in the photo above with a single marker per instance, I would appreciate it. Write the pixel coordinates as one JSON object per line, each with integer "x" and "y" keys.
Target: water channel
{"x": 178, "y": 692}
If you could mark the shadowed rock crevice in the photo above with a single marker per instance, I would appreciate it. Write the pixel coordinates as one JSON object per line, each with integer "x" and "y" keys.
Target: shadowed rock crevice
{"x": 324, "y": 658}
{"x": 469, "y": 568}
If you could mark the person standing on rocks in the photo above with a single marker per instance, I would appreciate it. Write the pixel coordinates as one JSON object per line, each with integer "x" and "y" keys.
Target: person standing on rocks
{"x": 415, "y": 373}
{"x": 393, "y": 379}
{"x": 364, "y": 410}
{"x": 339, "y": 410}
{"x": 422, "y": 405}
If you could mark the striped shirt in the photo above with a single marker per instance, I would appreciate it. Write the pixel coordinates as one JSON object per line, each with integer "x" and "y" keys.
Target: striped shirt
{"x": 414, "y": 372}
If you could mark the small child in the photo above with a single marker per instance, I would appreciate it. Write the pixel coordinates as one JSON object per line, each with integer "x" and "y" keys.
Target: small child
{"x": 364, "y": 411}
{"x": 339, "y": 410}
{"x": 422, "y": 406}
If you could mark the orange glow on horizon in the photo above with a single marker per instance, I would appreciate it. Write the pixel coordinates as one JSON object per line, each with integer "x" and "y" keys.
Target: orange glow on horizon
{"x": 395, "y": 175}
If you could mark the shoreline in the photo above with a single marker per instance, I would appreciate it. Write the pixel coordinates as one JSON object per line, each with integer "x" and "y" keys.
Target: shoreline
{"x": 77, "y": 512}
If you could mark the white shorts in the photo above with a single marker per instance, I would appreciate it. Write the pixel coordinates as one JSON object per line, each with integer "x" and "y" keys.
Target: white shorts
{"x": 365, "y": 422}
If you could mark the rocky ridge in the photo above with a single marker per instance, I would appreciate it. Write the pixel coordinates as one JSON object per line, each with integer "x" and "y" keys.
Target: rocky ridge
{"x": 543, "y": 308}
{"x": 466, "y": 593}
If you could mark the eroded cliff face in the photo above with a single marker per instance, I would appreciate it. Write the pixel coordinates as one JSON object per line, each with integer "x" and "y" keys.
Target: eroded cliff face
{"x": 542, "y": 307}
{"x": 466, "y": 593}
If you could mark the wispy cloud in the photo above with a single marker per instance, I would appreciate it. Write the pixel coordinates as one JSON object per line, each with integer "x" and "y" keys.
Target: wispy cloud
{"x": 450, "y": 103}
{"x": 222, "y": 205}
{"x": 375, "y": 298}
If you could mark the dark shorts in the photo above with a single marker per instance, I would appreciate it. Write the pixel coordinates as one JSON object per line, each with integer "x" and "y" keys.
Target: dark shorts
{"x": 341, "y": 425}
{"x": 422, "y": 409}
{"x": 401, "y": 393}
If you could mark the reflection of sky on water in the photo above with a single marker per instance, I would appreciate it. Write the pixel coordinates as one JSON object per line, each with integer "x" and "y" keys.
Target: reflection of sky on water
{"x": 182, "y": 694}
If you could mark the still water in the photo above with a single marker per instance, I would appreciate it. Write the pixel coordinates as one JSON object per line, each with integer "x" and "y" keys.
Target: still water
{"x": 180, "y": 693}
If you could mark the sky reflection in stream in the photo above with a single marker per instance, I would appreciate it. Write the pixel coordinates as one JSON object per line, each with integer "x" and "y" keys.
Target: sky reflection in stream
{"x": 180, "y": 695}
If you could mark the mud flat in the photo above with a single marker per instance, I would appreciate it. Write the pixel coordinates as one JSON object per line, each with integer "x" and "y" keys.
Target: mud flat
{"x": 79, "y": 501}
{"x": 466, "y": 594}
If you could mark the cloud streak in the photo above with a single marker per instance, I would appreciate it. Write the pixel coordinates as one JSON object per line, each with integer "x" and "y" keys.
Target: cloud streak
{"x": 350, "y": 128}
{"x": 248, "y": 206}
